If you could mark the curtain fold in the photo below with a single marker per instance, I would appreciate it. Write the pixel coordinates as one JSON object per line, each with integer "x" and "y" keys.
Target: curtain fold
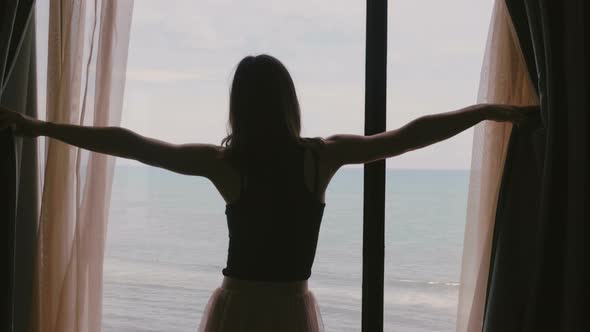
{"x": 537, "y": 272}
{"x": 505, "y": 80}
{"x": 18, "y": 165}
{"x": 87, "y": 59}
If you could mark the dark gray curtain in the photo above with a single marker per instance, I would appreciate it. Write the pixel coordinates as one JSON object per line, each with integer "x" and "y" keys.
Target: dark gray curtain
{"x": 18, "y": 164}
{"x": 536, "y": 280}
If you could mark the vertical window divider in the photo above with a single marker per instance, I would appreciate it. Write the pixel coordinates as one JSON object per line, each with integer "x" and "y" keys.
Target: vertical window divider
{"x": 374, "y": 172}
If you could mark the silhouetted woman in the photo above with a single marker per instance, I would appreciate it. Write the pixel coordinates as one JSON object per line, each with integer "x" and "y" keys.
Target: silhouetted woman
{"x": 273, "y": 181}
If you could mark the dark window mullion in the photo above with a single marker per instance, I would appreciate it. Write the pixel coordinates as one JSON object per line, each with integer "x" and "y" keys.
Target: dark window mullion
{"x": 374, "y": 173}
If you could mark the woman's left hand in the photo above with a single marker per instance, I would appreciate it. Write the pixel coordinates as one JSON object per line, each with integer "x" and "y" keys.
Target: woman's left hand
{"x": 511, "y": 113}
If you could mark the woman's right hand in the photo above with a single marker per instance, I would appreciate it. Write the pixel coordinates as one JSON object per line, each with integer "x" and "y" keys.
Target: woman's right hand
{"x": 22, "y": 125}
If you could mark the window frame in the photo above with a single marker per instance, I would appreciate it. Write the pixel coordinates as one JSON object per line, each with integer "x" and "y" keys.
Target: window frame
{"x": 374, "y": 172}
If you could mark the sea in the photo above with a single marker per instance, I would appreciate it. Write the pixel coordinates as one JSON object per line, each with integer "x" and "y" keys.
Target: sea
{"x": 167, "y": 244}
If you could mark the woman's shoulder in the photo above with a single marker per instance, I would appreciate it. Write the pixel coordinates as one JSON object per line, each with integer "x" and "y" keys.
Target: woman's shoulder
{"x": 316, "y": 143}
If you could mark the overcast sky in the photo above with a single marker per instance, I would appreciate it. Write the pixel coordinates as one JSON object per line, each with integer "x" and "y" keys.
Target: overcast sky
{"x": 182, "y": 55}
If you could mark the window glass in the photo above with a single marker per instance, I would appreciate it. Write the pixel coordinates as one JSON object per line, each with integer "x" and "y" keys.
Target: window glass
{"x": 435, "y": 51}
{"x": 167, "y": 236}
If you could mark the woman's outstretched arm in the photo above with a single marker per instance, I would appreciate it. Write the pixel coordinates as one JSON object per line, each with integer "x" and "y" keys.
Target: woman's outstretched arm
{"x": 426, "y": 130}
{"x": 192, "y": 159}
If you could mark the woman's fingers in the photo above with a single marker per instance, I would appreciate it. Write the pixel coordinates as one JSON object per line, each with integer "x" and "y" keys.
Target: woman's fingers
{"x": 521, "y": 113}
{"x": 4, "y": 124}
{"x": 9, "y": 119}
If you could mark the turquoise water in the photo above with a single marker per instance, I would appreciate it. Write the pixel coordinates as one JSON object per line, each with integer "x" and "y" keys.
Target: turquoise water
{"x": 167, "y": 243}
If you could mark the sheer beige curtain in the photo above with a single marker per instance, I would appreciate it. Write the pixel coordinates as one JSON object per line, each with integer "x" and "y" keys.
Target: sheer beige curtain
{"x": 504, "y": 79}
{"x": 87, "y": 59}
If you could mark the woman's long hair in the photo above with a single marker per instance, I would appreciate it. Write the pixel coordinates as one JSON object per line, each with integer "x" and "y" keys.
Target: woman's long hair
{"x": 264, "y": 115}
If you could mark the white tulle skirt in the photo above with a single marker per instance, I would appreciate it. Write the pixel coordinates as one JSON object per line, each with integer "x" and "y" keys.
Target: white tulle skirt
{"x": 260, "y": 306}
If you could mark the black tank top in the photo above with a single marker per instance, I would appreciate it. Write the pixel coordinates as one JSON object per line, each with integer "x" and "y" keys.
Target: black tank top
{"x": 274, "y": 224}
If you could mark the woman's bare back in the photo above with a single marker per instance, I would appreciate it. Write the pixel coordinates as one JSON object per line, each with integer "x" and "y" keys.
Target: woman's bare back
{"x": 228, "y": 181}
